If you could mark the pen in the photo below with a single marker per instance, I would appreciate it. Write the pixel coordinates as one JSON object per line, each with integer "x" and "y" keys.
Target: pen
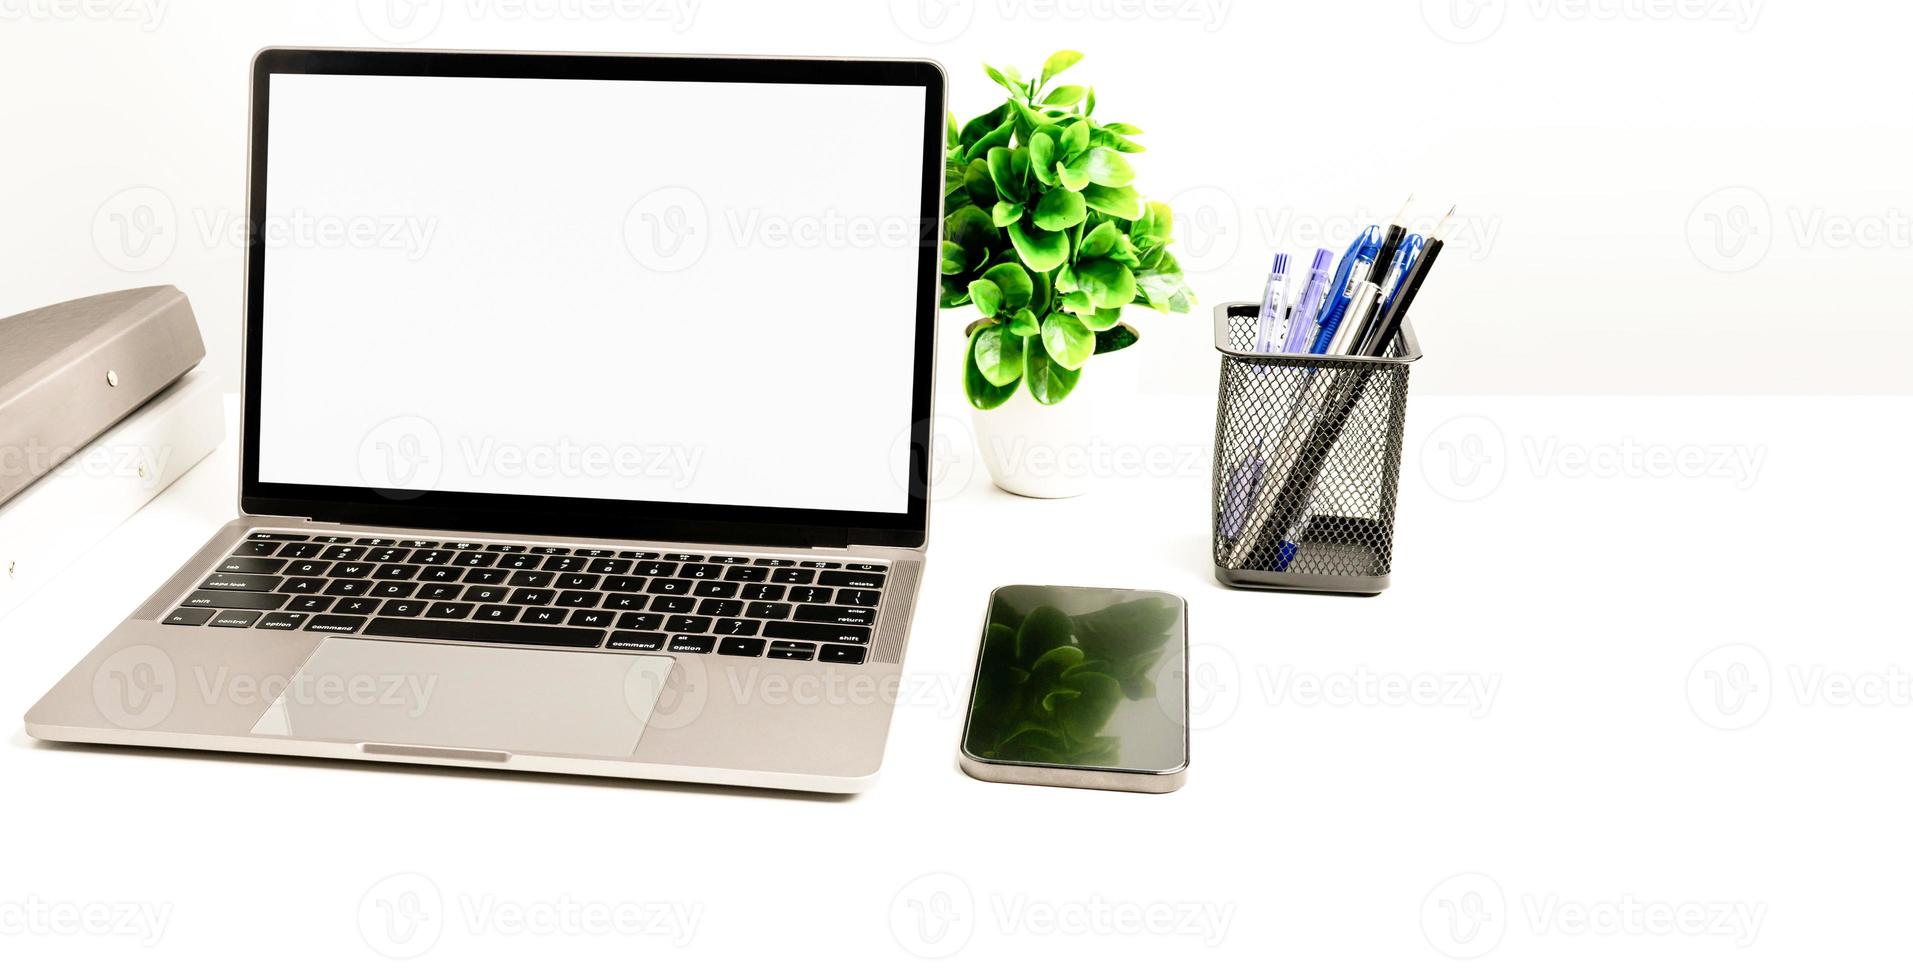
{"x": 1352, "y": 271}
{"x": 1273, "y": 298}
{"x": 1302, "y": 319}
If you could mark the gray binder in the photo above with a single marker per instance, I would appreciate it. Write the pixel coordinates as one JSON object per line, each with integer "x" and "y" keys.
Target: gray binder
{"x": 68, "y": 372}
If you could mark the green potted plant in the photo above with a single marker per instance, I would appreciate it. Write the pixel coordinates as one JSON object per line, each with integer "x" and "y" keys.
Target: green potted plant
{"x": 1046, "y": 237}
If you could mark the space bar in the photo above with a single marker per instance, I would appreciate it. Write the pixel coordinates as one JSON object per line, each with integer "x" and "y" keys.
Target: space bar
{"x": 441, "y": 629}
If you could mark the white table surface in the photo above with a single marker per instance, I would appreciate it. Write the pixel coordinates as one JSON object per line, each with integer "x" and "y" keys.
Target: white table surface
{"x": 1534, "y": 705}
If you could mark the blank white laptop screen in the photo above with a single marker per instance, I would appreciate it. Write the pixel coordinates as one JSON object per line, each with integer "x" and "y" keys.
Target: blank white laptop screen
{"x": 653, "y": 291}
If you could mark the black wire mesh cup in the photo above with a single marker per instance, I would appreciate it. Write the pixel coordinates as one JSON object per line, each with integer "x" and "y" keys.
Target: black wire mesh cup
{"x": 1308, "y": 462}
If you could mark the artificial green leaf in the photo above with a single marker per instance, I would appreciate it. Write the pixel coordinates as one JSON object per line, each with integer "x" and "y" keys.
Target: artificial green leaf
{"x": 1089, "y": 102}
{"x": 1120, "y": 202}
{"x": 1066, "y": 280}
{"x": 999, "y": 354}
{"x": 1122, "y": 129}
{"x": 1060, "y": 208}
{"x": 1049, "y": 381}
{"x": 1013, "y": 283}
{"x": 1064, "y": 95}
{"x": 1069, "y": 343}
{"x": 1006, "y": 213}
{"x": 971, "y": 227}
{"x": 1079, "y": 303}
{"x": 1102, "y": 320}
{"x": 1108, "y": 282}
{"x": 1043, "y": 157}
{"x": 1040, "y": 250}
{"x": 1074, "y": 176}
{"x": 950, "y": 129}
{"x": 1100, "y": 240}
{"x": 1075, "y": 139}
{"x": 1085, "y": 716}
{"x": 1000, "y": 136}
{"x": 975, "y": 128}
{"x": 1059, "y": 63}
{"x": 1121, "y": 144}
{"x": 987, "y": 297}
{"x": 976, "y": 180}
{"x": 978, "y": 388}
{"x": 1057, "y": 660}
{"x": 1008, "y": 78}
{"x": 1106, "y": 167}
{"x": 954, "y": 261}
{"x": 1002, "y": 166}
{"x": 1024, "y": 324}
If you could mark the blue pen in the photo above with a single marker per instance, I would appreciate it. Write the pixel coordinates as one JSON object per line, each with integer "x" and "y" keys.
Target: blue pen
{"x": 1398, "y": 269}
{"x": 1356, "y": 263}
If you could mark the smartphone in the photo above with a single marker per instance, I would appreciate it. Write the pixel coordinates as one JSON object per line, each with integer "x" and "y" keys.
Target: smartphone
{"x": 1079, "y": 687}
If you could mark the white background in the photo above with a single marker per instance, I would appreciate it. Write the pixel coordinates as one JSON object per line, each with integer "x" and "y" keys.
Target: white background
{"x": 1682, "y": 604}
{"x": 555, "y": 267}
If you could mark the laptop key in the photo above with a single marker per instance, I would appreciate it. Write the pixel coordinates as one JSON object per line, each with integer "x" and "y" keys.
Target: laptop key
{"x": 394, "y": 590}
{"x": 640, "y": 621}
{"x": 255, "y": 549}
{"x": 281, "y": 621}
{"x": 309, "y": 603}
{"x": 845, "y": 615}
{"x": 496, "y": 614}
{"x": 768, "y": 610}
{"x": 520, "y": 561}
{"x": 304, "y": 549}
{"x": 532, "y": 597}
{"x": 486, "y": 576}
{"x": 544, "y": 615}
{"x": 820, "y": 632}
{"x": 636, "y": 641}
{"x": 810, "y": 593}
{"x": 673, "y": 603}
{"x": 265, "y": 566}
{"x": 857, "y": 597}
{"x": 342, "y": 552}
{"x": 594, "y": 552}
{"x": 486, "y": 593}
{"x": 774, "y": 562}
{"x": 594, "y": 618}
{"x": 243, "y": 583}
{"x": 431, "y": 556}
{"x": 531, "y": 580}
{"x": 668, "y": 586}
{"x": 308, "y": 569}
{"x": 692, "y": 644}
{"x": 788, "y": 650}
{"x": 348, "y": 586}
{"x": 383, "y": 555}
{"x": 213, "y": 599}
{"x": 746, "y": 573}
{"x": 403, "y": 607}
{"x": 357, "y": 607}
{"x": 274, "y": 536}
{"x": 700, "y": 571}
{"x": 351, "y": 569}
{"x": 729, "y": 560}
{"x": 474, "y": 632}
{"x": 333, "y": 539}
{"x": 653, "y": 569}
{"x": 736, "y": 627}
{"x": 610, "y": 566}
{"x": 395, "y": 573}
{"x": 740, "y": 646}
{"x": 856, "y": 580}
{"x": 764, "y": 593}
{"x": 449, "y": 610}
{"x": 440, "y": 573}
{"x": 623, "y": 602}
{"x": 688, "y": 624}
{"x": 718, "y": 590}
{"x": 475, "y": 559}
{"x": 833, "y": 653}
{"x": 303, "y": 585}
{"x": 577, "y": 599}
{"x": 794, "y": 576}
{"x": 440, "y": 590}
{"x": 720, "y": 607}
{"x": 189, "y": 617}
{"x": 576, "y": 580}
{"x": 335, "y": 624}
{"x": 682, "y": 556}
{"x": 565, "y": 563}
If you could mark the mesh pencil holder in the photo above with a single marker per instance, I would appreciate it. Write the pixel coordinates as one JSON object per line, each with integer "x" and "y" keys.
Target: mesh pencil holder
{"x": 1307, "y": 464}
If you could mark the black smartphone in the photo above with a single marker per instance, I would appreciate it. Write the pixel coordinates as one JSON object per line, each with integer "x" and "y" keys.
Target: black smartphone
{"x": 1081, "y": 687}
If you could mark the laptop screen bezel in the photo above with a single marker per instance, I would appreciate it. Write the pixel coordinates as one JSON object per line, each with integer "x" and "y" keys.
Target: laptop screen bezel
{"x": 597, "y": 517}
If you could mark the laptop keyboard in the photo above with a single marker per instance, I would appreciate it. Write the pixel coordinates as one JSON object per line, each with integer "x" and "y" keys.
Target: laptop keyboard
{"x": 541, "y": 595}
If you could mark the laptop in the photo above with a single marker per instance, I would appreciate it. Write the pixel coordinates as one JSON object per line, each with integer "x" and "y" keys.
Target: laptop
{"x": 586, "y": 415}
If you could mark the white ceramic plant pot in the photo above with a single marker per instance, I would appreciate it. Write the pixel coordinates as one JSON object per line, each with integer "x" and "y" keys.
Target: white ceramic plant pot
{"x": 1048, "y": 451}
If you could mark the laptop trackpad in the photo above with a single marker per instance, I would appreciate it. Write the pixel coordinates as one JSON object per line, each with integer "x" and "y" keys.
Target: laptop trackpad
{"x": 539, "y": 702}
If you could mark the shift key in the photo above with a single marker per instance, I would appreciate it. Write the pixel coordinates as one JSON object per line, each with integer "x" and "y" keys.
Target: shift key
{"x": 821, "y": 632}
{"x": 242, "y": 583}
